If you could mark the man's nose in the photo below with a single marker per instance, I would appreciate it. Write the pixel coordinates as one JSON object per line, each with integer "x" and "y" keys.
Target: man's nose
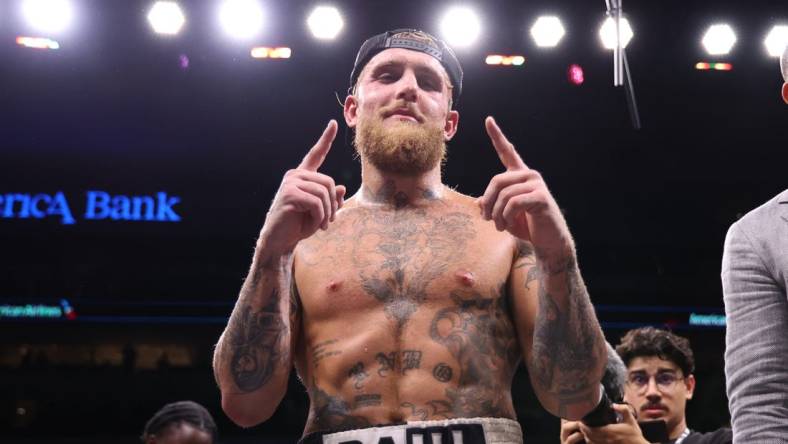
{"x": 652, "y": 391}
{"x": 407, "y": 87}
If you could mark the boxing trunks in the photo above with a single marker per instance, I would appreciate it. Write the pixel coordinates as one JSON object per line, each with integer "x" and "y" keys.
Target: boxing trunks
{"x": 449, "y": 431}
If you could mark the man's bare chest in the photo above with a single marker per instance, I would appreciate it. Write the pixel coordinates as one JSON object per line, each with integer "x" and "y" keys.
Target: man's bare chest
{"x": 399, "y": 263}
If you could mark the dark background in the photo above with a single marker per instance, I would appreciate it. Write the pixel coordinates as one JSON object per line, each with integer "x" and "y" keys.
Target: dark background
{"x": 113, "y": 110}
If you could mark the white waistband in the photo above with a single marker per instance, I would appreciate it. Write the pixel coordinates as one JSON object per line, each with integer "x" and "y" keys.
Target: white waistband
{"x": 448, "y": 431}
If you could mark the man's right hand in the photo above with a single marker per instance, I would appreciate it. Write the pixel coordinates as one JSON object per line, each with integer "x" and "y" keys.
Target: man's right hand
{"x": 306, "y": 200}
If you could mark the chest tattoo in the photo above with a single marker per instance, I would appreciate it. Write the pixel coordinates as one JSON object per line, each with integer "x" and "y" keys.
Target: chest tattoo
{"x": 400, "y": 253}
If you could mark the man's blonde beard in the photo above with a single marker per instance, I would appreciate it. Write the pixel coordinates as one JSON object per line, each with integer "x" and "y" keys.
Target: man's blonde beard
{"x": 404, "y": 148}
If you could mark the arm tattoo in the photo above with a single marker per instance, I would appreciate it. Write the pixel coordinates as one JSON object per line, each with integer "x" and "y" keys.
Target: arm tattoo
{"x": 525, "y": 258}
{"x": 566, "y": 343}
{"x": 255, "y": 344}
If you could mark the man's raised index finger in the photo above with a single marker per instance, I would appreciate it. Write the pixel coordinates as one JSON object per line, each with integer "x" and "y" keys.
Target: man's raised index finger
{"x": 504, "y": 148}
{"x": 315, "y": 157}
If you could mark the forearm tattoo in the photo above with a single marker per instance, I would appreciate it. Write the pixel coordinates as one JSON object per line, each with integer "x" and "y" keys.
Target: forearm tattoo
{"x": 255, "y": 344}
{"x": 567, "y": 342}
{"x": 256, "y": 340}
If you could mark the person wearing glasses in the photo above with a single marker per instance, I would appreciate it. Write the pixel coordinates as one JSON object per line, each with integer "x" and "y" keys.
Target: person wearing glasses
{"x": 659, "y": 383}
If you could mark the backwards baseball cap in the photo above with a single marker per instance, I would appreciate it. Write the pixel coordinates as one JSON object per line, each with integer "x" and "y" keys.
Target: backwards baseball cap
{"x": 414, "y": 40}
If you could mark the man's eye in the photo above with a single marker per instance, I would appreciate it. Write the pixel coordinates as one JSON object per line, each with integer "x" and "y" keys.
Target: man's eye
{"x": 639, "y": 379}
{"x": 430, "y": 85}
{"x": 665, "y": 379}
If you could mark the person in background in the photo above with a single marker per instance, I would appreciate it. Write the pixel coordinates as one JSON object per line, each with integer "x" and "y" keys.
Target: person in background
{"x": 754, "y": 281}
{"x": 659, "y": 383}
{"x": 182, "y": 422}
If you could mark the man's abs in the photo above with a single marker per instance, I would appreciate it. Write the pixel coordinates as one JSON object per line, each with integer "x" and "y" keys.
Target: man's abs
{"x": 451, "y": 362}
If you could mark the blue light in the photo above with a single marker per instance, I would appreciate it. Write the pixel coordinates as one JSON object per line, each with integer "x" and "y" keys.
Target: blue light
{"x": 101, "y": 205}
{"x": 707, "y": 320}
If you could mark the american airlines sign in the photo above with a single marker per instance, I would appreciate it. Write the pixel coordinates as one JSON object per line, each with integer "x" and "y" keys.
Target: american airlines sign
{"x": 99, "y": 205}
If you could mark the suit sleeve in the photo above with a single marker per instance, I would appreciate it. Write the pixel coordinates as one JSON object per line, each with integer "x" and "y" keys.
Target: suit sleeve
{"x": 756, "y": 355}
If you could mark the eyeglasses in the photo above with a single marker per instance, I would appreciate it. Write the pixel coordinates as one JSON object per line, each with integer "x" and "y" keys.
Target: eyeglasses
{"x": 666, "y": 381}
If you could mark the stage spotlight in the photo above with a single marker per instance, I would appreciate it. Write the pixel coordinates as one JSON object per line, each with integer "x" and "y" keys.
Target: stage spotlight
{"x": 241, "y": 19}
{"x": 460, "y": 26}
{"x": 547, "y": 31}
{"x": 325, "y": 22}
{"x": 166, "y": 18}
{"x": 719, "y": 39}
{"x": 608, "y": 33}
{"x": 777, "y": 40}
{"x": 48, "y": 16}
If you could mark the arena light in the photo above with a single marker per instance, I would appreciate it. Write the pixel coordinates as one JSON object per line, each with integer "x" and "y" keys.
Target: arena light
{"x": 265, "y": 52}
{"x": 716, "y": 66}
{"x": 460, "y": 26}
{"x": 504, "y": 60}
{"x": 607, "y": 33}
{"x": 719, "y": 39}
{"x": 776, "y": 40}
{"x": 547, "y": 31}
{"x": 166, "y": 18}
{"x": 48, "y": 16}
{"x": 241, "y": 19}
{"x": 37, "y": 42}
{"x": 325, "y": 22}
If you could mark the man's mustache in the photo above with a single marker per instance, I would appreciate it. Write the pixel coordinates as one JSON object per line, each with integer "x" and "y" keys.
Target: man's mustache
{"x": 401, "y": 105}
{"x": 653, "y": 406}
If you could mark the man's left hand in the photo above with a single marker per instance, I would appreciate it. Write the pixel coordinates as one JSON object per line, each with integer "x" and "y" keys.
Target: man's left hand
{"x": 519, "y": 202}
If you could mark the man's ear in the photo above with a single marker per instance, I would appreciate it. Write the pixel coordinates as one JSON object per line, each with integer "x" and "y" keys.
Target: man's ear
{"x": 450, "y": 127}
{"x": 689, "y": 381}
{"x": 351, "y": 111}
{"x": 785, "y": 92}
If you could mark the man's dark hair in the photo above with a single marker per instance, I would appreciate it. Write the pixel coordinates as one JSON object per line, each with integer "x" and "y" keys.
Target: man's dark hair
{"x": 181, "y": 412}
{"x": 650, "y": 341}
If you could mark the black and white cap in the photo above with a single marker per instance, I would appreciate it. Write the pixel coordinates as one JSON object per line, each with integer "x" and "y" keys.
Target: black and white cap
{"x": 415, "y": 40}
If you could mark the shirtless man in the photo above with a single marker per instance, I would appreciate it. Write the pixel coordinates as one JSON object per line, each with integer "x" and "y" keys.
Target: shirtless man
{"x": 410, "y": 301}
